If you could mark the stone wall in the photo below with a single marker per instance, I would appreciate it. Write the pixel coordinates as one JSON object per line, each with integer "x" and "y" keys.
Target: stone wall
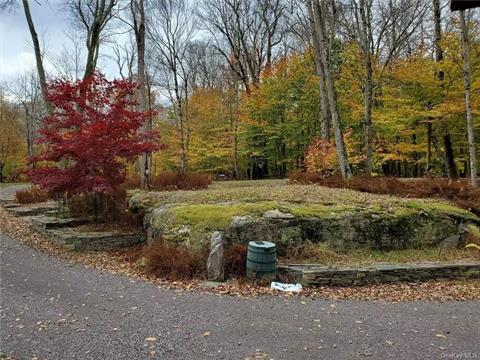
{"x": 94, "y": 241}
{"x": 314, "y": 275}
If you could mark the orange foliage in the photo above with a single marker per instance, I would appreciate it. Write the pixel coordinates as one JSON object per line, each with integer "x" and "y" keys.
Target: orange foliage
{"x": 321, "y": 157}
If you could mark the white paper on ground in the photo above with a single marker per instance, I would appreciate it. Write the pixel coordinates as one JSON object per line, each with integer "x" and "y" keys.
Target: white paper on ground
{"x": 286, "y": 287}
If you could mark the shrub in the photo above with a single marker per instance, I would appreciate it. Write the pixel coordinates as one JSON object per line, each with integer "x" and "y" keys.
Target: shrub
{"x": 31, "y": 195}
{"x": 131, "y": 182}
{"x": 236, "y": 260}
{"x": 104, "y": 207}
{"x": 457, "y": 191}
{"x": 321, "y": 157}
{"x": 170, "y": 261}
{"x": 172, "y": 180}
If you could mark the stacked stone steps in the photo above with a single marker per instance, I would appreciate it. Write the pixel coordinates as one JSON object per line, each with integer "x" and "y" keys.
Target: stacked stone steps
{"x": 46, "y": 222}
{"x": 66, "y": 232}
{"x": 30, "y": 209}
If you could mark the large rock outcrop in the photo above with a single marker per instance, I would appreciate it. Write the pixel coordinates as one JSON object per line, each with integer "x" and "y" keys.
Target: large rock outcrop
{"x": 415, "y": 224}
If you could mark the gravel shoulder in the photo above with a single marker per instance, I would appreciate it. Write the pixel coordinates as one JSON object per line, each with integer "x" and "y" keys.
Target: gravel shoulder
{"x": 54, "y": 309}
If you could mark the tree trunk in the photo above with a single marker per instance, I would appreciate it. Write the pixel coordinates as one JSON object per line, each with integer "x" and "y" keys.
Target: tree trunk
{"x": 450, "y": 166}
{"x": 92, "y": 55}
{"x": 368, "y": 99}
{"x": 368, "y": 87}
{"x": 429, "y": 148}
{"x": 331, "y": 92}
{"x": 181, "y": 139}
{"x": 437, "y": 16}
{"x": 38, "y": 54}
{"x": 235, "y": 131}
{"x": 467, "y": 74}
{"x": 138, "y": 14}
{"x": 415, "y": 157}
{"x": 324, "y": 107}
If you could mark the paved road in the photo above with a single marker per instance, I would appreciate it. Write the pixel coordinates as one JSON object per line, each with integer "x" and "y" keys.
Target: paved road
{"x": 7, "y": 191}
{"x": 55, "y": 310}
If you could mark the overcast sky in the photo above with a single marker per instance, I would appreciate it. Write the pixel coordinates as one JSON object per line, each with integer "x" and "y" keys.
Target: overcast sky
{"x": 16, "y": 50}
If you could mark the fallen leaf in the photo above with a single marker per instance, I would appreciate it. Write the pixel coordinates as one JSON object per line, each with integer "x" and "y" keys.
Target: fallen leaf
{"x": 207, "y": 333}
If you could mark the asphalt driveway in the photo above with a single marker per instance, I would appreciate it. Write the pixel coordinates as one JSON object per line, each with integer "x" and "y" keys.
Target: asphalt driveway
{"x": 51, "y": 309}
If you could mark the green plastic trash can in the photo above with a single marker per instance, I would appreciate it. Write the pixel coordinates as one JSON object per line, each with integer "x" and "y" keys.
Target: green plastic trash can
{"x": 261, "y": 260}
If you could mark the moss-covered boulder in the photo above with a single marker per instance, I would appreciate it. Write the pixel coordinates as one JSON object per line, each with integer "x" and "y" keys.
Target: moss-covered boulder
{"x": 293, "y": 214}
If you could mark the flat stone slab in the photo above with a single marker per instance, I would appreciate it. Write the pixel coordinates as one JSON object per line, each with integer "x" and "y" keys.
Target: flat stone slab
{"x": 73, "y": 239}
{"x": 10, "y": 204}
{"x": 318, "y": 275}
{"x": 43, "y": 222}
{"x": 32, "y": 209}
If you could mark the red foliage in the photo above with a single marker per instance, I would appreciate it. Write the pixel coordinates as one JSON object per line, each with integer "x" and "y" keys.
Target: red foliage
{"x": 93, "y": 133}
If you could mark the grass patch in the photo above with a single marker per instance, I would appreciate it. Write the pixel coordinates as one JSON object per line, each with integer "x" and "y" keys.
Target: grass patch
{"x": 440, "y": 208}
{"x": 459, "y": 192}
{"x": 321, "y": 254}
{"x": 251, "y": 191}
{"x": 319, "y": 210}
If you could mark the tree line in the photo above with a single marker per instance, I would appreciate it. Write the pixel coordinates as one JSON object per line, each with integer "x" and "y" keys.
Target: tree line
{"x": 253, "y": 88}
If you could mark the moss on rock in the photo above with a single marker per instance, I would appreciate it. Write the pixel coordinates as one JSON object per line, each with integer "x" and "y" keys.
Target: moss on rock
{"x": 342, "y": 219}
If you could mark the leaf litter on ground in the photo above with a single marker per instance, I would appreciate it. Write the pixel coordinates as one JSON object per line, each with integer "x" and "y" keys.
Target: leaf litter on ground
{"x": 121, "y": 262}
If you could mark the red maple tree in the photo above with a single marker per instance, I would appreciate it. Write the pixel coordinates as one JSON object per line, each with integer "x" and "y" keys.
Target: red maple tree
{"x": 91, "y": 136}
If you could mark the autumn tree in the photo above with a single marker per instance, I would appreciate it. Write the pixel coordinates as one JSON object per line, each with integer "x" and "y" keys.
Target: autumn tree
{"x": 11, "y": 142}
{"x": 381, "y": 31}
{"x": 26, "y": 91}
{"x": 93, "y": 132}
